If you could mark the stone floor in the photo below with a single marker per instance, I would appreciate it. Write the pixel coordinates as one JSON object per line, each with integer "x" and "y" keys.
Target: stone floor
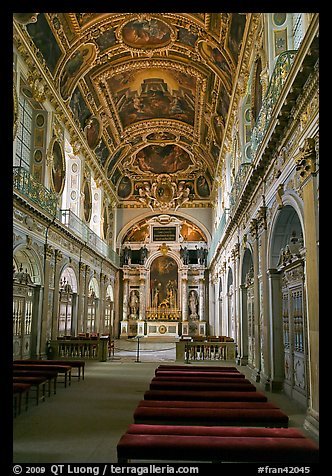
{"x": 83, "y": 423}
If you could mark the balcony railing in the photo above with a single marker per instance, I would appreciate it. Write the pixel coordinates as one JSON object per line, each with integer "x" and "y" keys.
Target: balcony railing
{"x": 279, "y": 76}
{"x": 28, "y": 186}
{"x": 84, "y": 232}
{"x": 217, "y": 236}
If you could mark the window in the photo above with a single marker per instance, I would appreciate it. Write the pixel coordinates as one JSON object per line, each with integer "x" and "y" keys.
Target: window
{"x": 24, "y": 133}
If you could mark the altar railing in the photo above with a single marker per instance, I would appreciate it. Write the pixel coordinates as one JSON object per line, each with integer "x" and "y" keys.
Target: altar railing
{"x": 209, "y": 351}
{"x": 93, "y": 348}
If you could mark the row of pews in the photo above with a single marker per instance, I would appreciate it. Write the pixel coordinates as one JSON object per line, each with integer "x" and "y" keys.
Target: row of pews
{"x": 210, "y": 414}
{"x": 36, "y": 379}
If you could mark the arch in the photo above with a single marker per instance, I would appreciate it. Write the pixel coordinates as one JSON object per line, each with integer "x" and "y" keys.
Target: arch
{"x": 285, "y": 221}
{"x": 94, "y": 286}
{"x": 110, "y": 293}
{"x": 30, "y": 261}
{"x": 147, "y": 215}
{"x": 68, "y": 273}
{"x": 246, "y": 263}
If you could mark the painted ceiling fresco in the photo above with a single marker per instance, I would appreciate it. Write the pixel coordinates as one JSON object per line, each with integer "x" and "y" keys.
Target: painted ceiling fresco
{"x": 151, "y": 94}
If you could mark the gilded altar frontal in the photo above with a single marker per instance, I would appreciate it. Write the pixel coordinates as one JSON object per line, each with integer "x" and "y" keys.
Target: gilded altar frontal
{"x": 166, "y": 190}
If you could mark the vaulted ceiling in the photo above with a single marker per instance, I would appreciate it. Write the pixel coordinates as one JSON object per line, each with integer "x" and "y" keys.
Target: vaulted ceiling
{"x": 151, "y": 93}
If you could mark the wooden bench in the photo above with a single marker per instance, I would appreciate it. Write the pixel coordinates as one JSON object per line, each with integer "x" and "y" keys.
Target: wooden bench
{"x": 278, "y": 448}
{"x": 75, "y": 364}
{"x": 20, "y": 390}
{"x": 50, "y": 375}
{"x": 61, "y": 369}
{"x": 268, "y": 417}
{"x": 201, "y": 395}
{"x": 169, "y": 385}
{"x": 37, "y": 382}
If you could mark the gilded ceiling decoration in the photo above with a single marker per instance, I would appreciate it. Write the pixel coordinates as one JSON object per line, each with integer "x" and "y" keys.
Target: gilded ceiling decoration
{"x": 150, "y": 92}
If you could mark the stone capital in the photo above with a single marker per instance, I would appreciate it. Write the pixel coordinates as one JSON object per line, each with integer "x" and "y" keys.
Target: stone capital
{"x": 306, "y": 160}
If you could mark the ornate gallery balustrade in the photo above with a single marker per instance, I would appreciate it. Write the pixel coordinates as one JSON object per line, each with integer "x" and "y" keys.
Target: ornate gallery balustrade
{"x": 32, "y": 190}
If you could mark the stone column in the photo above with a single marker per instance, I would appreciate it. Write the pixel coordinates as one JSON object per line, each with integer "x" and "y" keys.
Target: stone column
{"x": 243, "y": 323}
{"x": 211, "y": 329}
{"x": 276, "y": 331}
{"x": 264, "y": 323}
{"x": 236, "y": 264}
{"x": 102, "y": 297}
{"x": 201, "y": 303}
{"x": 184, "y": 301}
{"x": 80, "y": 298}
{"x": 45, "y": 332}
{"x": 85, "y": 299}
{"x": 142, "y": 302}
{"x": 255, "y": 256}
{"x": 307, "y": 170}
{"x": 125, "y": 309}
{"x": 55, "y": 313}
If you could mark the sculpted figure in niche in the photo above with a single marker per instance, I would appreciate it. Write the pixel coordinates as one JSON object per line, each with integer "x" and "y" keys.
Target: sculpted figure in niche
{"x": 193, "y": 303}
{"x": 133, "y": 303}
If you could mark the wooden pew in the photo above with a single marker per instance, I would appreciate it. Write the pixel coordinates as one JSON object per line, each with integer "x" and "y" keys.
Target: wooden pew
{"x": 268, "y": 417}
{"x": 281, "y": 446}
{"x": 37, "y": 382}
{"x": 50, "y": 375}
{"x": 204, "y": 395}
{"x": 20, "y": 390}
{"x": 78, "y": 364}
{"x": 184, "y": 385}
{"x": 61, "y": 369}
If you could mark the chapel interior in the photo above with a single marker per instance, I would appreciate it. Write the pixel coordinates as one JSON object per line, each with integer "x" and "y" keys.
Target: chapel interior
{"x": 166, "y": 189}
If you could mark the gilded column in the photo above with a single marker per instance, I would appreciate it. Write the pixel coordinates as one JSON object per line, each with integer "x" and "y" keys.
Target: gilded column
{"x": 307, "y": 169}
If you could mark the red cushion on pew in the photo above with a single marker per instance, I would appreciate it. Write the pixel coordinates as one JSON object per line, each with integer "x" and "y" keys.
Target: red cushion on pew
{"x": 194, "y": 378}
{"x": 197, "y": 395}
{"x": 214, "y": 448}
{"x": 226, "y": 431}
{"x": 196, "y": 373}
{"x": 203, "y": 368}
{"x": 212, "y": 416}
{"x": 184, "y": 404}
{"x": 169, "y": 385}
